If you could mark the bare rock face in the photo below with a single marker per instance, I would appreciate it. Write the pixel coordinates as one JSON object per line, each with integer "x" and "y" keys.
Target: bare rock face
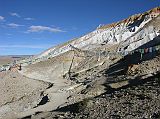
{"x": 135, "y": 18}
{"x": 131, "y": 33}
{"x": 128, "y": 34}
{"x": 74, "y": 76}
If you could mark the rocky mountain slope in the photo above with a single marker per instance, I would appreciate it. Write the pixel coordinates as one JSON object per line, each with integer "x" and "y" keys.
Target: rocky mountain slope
{"x": 132, "y": 31}
{"x": 99, "y": 75}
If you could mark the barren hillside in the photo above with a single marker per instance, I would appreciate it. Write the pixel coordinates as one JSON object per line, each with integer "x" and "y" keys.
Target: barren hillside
{"x": 112, "y": 72}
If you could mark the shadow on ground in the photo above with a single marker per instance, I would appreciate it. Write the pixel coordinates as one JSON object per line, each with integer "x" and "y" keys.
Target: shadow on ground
{"x": 120, "y": 67}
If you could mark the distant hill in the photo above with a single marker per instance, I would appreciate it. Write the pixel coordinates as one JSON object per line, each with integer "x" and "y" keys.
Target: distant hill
{"x": 10, "y": 58}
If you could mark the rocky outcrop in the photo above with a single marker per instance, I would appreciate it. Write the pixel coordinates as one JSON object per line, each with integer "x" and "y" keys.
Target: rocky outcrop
{"x": 127, "y": 31}
{"x": 128, "y": 34}
{"x": 117, "y": 89}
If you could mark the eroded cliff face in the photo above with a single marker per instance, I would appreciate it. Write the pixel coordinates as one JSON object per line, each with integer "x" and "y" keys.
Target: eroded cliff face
{"x": 147, "y": 35}
{"x": 57, "y": 77}
{"x": 131, "y": 33}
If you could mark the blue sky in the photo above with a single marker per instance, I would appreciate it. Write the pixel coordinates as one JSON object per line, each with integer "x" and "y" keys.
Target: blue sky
{"x": 31, "y": 26}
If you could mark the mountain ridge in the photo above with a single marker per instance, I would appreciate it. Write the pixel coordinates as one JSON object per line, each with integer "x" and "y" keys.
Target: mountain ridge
{"x": 132, "y": 18}
{"x": 109, "y": 35}
{"x": 89, "y": 77}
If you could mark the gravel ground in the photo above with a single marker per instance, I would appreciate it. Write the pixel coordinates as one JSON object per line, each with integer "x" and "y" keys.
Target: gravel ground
{"x": 19, "y": 93}
{"x": 135, "y": 98}
{"x": 133, "y": 102}
{"x": 136, "y": 102}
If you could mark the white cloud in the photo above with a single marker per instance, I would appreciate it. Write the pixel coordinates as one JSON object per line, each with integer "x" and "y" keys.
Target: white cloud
{"x": 13, "y": 25}
{"x": 14, "y": 14}
{"x": 25, "y": 46}
{"x": 44, "y": 28}
{"x": 29, "y": 19}
{"x": 1, "y": 18}
{"x": 8, "y": 34}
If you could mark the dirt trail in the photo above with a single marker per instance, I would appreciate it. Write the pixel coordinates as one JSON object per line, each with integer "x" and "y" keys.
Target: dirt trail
{"x": 57, "y": 96}
{"x": 52, "y": 73}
